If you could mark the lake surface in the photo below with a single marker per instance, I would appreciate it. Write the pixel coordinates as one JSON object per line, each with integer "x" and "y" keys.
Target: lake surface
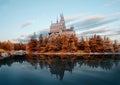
{"x": 60, "y": 70}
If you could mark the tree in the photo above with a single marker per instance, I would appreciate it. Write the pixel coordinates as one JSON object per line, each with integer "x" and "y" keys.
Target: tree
{"x": 32, "y": 45}
{"x": 40, "y": 43}
{"x": 40, "y": 39}
{"x": 99, "y": 43}
{"x": 51, "y": 44}
{"x": 87, "y": 46}
{"x": 58, "y": 43}
{"x": 81, "y": 44}
{"x": 93, "y": 45}
{"x": 116, "y": 46}
{"x": 65, "y": 43}
{"x": 72, "y": 45}
{"x": 108, "y": 46}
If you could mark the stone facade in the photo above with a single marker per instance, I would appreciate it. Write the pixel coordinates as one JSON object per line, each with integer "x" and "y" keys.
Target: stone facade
{"x": 59, "y": 28}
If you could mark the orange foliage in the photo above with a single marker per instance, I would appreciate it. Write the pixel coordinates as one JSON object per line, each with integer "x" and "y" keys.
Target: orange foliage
{"x": 64, "y": 43}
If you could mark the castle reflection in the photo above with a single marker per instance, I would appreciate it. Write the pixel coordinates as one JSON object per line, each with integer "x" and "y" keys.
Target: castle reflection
{"x": 58, "y": 64}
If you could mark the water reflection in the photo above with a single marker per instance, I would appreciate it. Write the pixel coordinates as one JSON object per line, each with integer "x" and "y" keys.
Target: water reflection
{"x": 10, "y": 60}
{"x": 58, "y": 64}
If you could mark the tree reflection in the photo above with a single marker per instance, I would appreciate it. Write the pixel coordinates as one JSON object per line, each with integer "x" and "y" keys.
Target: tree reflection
{"x": 10, "y": 60}
{"x": 58, "y": 64}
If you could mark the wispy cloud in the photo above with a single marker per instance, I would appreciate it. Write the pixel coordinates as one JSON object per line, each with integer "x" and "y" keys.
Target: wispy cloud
{"x": 112, "y": 32}
{"x": 27, "y": 23}
{"x": 72, "y": 18}
{"x": 117, "y": 14}
{"x": 95, "y": 31}
{"x": 95, "y": 24}
{"x": 115, "y": 31}
{"x": 25, "y": 38}
{"x": 112, "y": 2}
{"x": 43, "y": 30}
{"x": 96, "y": 21}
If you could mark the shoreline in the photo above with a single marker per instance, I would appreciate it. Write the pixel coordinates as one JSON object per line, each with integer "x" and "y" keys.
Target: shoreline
{"x": 74, "y": 53}
{"x": 7, "y": 54}
{"x": 24, "y": 53}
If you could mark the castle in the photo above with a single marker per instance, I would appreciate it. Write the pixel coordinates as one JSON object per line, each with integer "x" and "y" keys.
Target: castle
{"x": 59, "y": 28}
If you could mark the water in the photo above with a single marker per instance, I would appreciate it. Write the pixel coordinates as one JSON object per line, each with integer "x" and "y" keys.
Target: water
{"x": 60, "y": 70}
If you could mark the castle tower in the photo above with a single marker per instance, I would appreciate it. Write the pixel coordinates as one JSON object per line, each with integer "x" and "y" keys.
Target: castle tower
{"x": 59, "y": 27}
{"x": 62, "y": 19}
{"x": 62, "y": 22}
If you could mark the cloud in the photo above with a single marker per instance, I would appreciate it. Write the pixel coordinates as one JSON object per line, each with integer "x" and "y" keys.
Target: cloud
{"x": 27, "y": 23}
{"x": 111, "y": 3}
{"x": 96, "y": 21}
{"x": 25, "y": 38}
{"x": 18, "y": 40}
{"x": 114, "y": 14}
{"x": 118, "y": 32}
{"x": 72, "y": 18}
{"x": 111, "y": 32}
{"x": 95, "y": 31}
{"x": 88, "y": 26}
{"x": 115, "y": 32}
{"x": 43, "y": 30}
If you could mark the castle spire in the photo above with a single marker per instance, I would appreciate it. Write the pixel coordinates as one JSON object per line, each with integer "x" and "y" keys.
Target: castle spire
{"x": 62, "y": 17}
{"x": 57, "y": 20}
{"x": 62, "y": 21}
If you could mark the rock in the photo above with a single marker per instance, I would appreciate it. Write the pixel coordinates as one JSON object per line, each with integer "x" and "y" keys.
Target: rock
{"x": 20, "y": 52}
{"x": 5, "y": 54}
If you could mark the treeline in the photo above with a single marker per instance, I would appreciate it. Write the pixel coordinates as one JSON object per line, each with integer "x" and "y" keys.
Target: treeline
{"x": 64, "y": 43}
{"x": 9, "y": 46}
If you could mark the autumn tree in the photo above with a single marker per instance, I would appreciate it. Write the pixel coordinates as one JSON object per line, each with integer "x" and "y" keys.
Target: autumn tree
{"x": 58, "y": 43}
{"x": 116, "y": 46}
{"x": 19, "y": 46}
{"x": 65, "y": 44}
{"x": 92, "y": 43}
{"x": 51, "y": 45}
{"x": 99, "y": 43}
{"x": 108, "y": 46}
{"x": 45, "y": 44}
{"x": 81, "y": 44}
{"x": 7, "y": 45}
{"x": 72, "y": 43}
{"x": 40, "y": 43}
{"x": 87, "y": 46}
{"x": 32, "y": 45}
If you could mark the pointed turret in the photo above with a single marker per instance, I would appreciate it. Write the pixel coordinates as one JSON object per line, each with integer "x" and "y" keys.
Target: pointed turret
{"x": 57, "y": 20}
{"x": 62, "y": 21}
{"x": 59, "y": 27}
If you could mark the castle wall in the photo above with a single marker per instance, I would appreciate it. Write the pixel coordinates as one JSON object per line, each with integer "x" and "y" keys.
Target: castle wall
{"x": 68, "y": 32}
{"x": 54, "y": 29}
{"x": 60, "y": 28}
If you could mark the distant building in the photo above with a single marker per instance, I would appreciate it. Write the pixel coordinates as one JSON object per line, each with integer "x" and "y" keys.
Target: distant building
{"x": 59, "y": 28}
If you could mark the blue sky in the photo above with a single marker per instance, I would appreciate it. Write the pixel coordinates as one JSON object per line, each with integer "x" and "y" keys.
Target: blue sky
{"x": 21, "y": 18}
